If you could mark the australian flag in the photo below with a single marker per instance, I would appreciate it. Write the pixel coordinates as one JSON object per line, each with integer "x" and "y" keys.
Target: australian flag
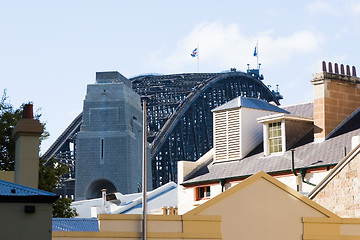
{"x": 194, "y": 52}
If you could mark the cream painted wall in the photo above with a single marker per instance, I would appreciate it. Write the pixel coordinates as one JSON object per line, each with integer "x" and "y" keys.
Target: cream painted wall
{"x": 261, "y": 210}
{"x": 186, "y": 195}
{"x": 16, "y": 224}
{"x": 27, "y": 161}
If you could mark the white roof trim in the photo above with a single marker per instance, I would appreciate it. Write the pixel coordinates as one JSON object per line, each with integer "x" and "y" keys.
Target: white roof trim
{"x": 279, "y": 116}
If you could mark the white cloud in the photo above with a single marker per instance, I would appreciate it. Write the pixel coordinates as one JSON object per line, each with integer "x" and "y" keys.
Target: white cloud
{"x": 324, "y": 7}
{"x": 278, "y": 50}
{"x": 337, "y": 9}
{"x": 225, "y": 46}
{"x": 355, "y": 7}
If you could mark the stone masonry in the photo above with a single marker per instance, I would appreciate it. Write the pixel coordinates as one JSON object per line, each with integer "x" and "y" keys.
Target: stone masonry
{"x": 109, "y": 144}
{"x": 336, "y": 96}
{"x": 342, "y": 194}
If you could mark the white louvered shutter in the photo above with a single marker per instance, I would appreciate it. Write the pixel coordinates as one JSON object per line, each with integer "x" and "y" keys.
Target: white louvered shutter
{"x": 227, "y": 135}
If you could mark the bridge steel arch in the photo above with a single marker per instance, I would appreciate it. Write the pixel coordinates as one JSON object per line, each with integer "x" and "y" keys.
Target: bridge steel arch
{"x": 179, "y": 117}
{"x": 187, "y": 134}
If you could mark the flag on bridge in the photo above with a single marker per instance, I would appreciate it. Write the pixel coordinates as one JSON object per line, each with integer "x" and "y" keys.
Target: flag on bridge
{"x": 194, "y": 52}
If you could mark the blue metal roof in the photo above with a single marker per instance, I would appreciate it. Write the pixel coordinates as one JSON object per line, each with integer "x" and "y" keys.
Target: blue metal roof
{"x": 75, "y": 224}
{"x": 13, "y": 189}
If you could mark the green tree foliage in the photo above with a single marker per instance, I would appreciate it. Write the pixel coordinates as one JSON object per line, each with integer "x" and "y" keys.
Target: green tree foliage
{"x": 49, "y": 175}
{"x": 49, "y": 172}
{"x": 8, "y": 119}
{"x": 62, "y": 209}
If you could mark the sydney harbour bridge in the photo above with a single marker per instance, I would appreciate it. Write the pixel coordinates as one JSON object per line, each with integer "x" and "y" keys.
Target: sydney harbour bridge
{"x": 180, "y": 122}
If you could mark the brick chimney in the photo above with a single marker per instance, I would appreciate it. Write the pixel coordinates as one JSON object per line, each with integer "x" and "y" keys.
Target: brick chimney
{"x": 336, "y": 96}
{"x": 26, "y": 134}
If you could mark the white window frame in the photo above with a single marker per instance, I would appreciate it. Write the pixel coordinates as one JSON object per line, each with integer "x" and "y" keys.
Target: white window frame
{"x": 267, "y": 140}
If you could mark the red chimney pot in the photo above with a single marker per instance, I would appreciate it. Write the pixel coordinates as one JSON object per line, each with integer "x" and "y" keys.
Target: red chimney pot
{"x": 28, "y": 111}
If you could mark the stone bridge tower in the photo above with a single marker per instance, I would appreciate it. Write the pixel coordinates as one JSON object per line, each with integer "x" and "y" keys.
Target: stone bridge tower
{"x": 109, "y": 144}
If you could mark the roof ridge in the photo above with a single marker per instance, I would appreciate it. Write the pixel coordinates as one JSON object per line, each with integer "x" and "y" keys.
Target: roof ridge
{"x": 249, "y": 102}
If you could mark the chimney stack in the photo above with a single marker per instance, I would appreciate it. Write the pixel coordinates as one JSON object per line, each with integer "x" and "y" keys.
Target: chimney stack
{"x": 336, "y": 96}
{"x": 27, "y": 134}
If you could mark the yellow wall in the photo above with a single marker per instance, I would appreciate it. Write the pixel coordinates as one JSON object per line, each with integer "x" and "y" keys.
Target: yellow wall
{"x": 258, "y": 208}
{"x": 8, "y": 176}
{"x": 123, "y": 226}
{"x": 319, "y": 229}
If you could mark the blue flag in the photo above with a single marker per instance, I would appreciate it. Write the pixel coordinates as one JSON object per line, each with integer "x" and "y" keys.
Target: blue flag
{"x": 194, "y": 52}
{"x": 255, "y": 51}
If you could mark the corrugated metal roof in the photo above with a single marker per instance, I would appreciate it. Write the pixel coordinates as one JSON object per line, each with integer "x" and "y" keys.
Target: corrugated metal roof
{"x": 165, "y": 195}
{"x": 253, "y": 103}
{"x": 13, "y": 189}
{"x": 75, "y": 224}
{"x": 165, "y": 199}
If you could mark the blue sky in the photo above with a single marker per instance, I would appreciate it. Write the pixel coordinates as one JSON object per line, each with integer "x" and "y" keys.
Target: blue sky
{"x": 50, "y": 50}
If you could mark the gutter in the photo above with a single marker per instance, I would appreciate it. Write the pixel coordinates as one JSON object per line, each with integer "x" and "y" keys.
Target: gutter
{"x": 303, "y": 173}
{"x": 222, "y": 182}
{"x": 189, "y": 183}
{"x": 293, "y": 170}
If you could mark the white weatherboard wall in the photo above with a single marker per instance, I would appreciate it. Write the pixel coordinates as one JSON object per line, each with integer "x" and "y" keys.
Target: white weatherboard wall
{"x": 237, "y": 132}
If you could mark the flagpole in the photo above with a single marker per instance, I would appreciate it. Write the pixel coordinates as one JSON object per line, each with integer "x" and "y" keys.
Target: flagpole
{"x": 144, "y": 176}
{"x": 257, "y": 54}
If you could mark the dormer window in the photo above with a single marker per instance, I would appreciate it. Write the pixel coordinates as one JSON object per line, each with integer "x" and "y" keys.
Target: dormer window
{"x": 281, "y": 131}
{"x": 236, "y": 131}
{"x": 275, "y": 138}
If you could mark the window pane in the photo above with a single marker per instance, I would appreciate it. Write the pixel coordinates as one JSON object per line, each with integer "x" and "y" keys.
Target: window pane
{"x": 275, "y": 142}
{"x": 208, "y": 191}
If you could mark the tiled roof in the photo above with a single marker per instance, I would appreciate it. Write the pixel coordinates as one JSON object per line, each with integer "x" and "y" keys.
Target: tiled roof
{"x": 307, "y": 155}
{"x": 75, "y": 224}
{"x": 13, "y": 189}
{"x": 250, "y": 103}
{"x": 304, "y": 110}
{"x": 350, "y": 124}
